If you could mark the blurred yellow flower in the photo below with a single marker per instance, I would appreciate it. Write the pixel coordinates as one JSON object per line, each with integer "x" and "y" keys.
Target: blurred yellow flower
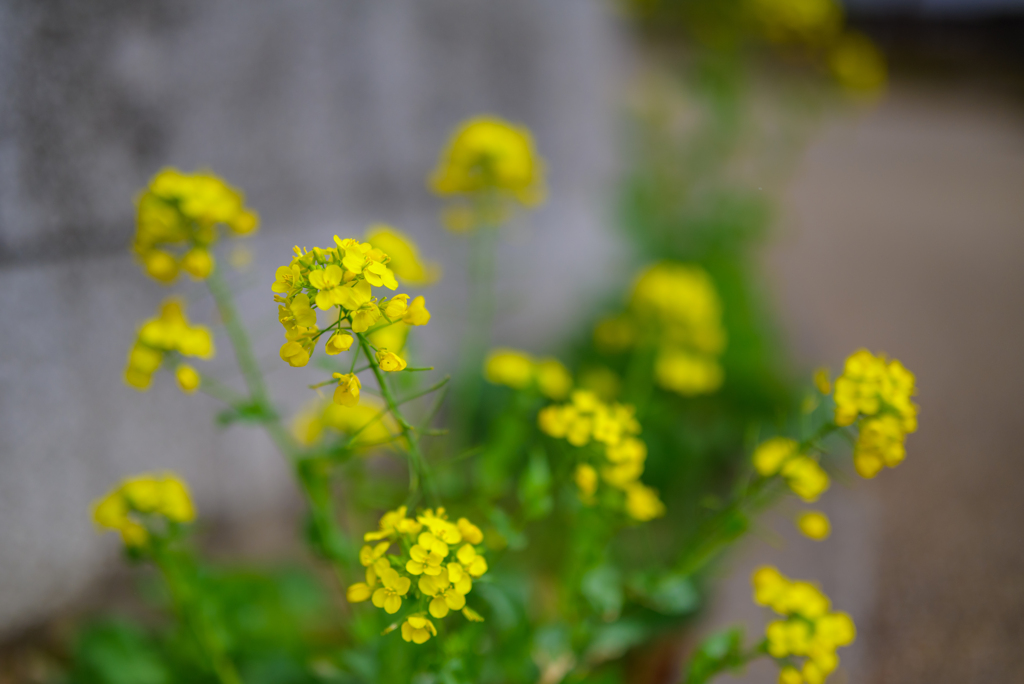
{"x": 164, "y": 495}
{"x": 405, "y": 258}
{"x": 814, "y": 525}
{"x": 857, "y": 64}
{"x": 488, "y": 154}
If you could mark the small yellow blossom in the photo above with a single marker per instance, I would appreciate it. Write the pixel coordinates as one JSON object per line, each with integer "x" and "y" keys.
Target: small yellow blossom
{"x": 814, "y": 525}
{"x": 389, "y": 361}
{"x": 389, "y": 596}
{"x": 396, "y": 307}
{"x": 772, "y": 453}
{"x": 806, "y": 478}
{"x": 188, "y": 378}
{"x": 687, "y": 373}
{"x": 470, "y": 532}
{"x": 339, "y": 342}
{"x": 418, "y": 629}
{"x": 368, "y": 555}
{"x": 416, "y": 313}
{"x": 347, "y": 391}
{"x": 164, "y": 495}
{"x": 822, "y": 382}
{"x": 790, "y": 675}
{"x": 586, "y": 481}
{"x": 294, "y": 354}
{"x": 472, "y": 615}
{"x": 553, "y": 379}
{"x": 642, "y": 502}
{"x": 509, "y": 367}
{"x": 487, "y": 154}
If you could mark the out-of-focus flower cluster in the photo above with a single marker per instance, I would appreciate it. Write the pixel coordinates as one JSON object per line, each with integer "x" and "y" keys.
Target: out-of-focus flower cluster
{"x": 809, "y": 628}
{"x": 519, "y": 370}
{"x": 367, "y": 424}
{"x": 177, "y": 219}
{"x": 138, "y": 500}
{"x": 341, "y": 277}
{"x": 169, "y": 333}
{"x": 676, "y": 308}
{"x": 405, "y": 261}
{"x": 782, "y": 456}
{"x": 487, "y": 164}
{"x": 619, "y": 457}
{"x": 431, "y": 570}
{"x": 875, "y": 394}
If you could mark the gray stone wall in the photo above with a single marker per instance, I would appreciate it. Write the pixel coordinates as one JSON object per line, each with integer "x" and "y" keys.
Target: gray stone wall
{"x": 329, "y": 115}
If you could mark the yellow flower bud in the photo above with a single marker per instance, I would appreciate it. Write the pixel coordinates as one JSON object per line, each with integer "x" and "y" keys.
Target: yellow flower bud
{"x": 294, "y": 354}
{"x": 188, "y": 378}
{"x": 198, "y": 262}
{"x": 161, "y": 266}
{"x": 389, "y": 361}
{"x": 396, "y": 306}
{"x": 347, "y": 392}
{"x": 814, "y": 525}
{"x": 339, "y": 342}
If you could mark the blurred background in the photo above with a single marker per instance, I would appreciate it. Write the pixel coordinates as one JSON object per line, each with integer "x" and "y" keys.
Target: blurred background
{"x": 897, "y": 224}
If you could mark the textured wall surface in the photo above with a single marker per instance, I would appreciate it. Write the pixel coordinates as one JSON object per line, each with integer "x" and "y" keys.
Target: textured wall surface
{"x": 329, "y": 115}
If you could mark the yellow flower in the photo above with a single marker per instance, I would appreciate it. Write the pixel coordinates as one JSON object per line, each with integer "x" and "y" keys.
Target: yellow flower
{"x": 509, "y": 367}
{"x": 790, "y": 675}
{"x": 472, "y": 615}
{"x": 392, "y": 336}
{"x": 869, "y": 385}
{"x": 798, "y": 21}
{"x": 389, "y": 597}
{"x": 365, "y": 316}
{"x": 553, "y": 379}
{"x": 170, "y": 331}
{"x": 294, "y": 354}
{"x": 339, "y": 342}
{"x": 470, "y": 532}
{"x": 586, "y": 481}
{"x": 814, "y": 525}
{"x": 642, "y": 502}
{"x": 857, "y": 64}
{"x": 405, "y": 259}
{"x": 771, "y": 454}
{"x": 426, "y": 556}
{"x": 687, "y": 373}
{"x": 164, "y": 495}
{"x": 176, "y": 221}
{"x": 347, "y": 392}
{"x": 188, "y": 378}
{"x": 473, "y": 562}
{"x": 445, "y": 594}
{"x": 396, "y": 307}
{"x": 806, "y": 478}
{"x": 682, "y": 301}
{"x": 879, "y": 444}
{"x": 389, "y": 361}
{"x": 416, "y": 313}
{"x": 418, "y": 629}
{"x": 489, "y": 154}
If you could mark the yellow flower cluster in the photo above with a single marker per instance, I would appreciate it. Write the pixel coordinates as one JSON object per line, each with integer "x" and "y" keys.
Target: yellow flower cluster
{"x": 489, "y": 155}
{"x": 169, "y": 332}
{"x": 146, "y": 495}
{"x": 444, "y": 558}
{"x": 810, "y": 629}
{"x": 876, "y": 394}
{"x": 814, "y": 22}
{"x": 781, "y": 456}
{"x": 519, "y": 370}
{"x": 676, "y": 307}
{"x": 586, "y": 420}
{"x": 344, "y": 277}
{"x": 177, "y": 219}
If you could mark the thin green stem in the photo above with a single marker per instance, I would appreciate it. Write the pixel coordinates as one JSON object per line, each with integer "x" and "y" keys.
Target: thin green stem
{"x": 417, "y": 463}
{"x": 239, "y": 339}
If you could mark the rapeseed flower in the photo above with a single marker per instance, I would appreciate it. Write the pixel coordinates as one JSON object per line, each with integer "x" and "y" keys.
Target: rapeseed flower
{"x": 619, "y": 455}
{"x": 487, "y": 155}
{"x": 177, "y": 218}
{"x": 676, "y": 309}
{"x": 405, "y": 259}
{"x": 444, "y": 558}
{"x": 782, "y": 456}
{"x": 810, "y": 629}
{"x": 342, "y": 278}
{"x": 169, "y": 333}
{"x": 875, "y": 394}
{"x": 814, "y": 525}
{"x": 130, "y": 506}
{"x": 519, "y": 370}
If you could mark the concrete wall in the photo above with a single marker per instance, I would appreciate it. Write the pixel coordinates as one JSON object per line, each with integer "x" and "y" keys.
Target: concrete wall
{"x": 329, "y": 115}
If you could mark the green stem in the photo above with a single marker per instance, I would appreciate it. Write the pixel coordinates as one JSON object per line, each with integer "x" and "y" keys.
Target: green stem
{"x": 182, "y": 583}
{"x": 321, "y": 507}
{"x": 417, "y": 463}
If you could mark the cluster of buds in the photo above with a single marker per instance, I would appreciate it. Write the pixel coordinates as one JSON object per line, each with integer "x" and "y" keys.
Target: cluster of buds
{"x": 809, "y": 628}
{"x": 136, "y": 505}
{"x": 875, "y": 395}
{"x": 618, "y": 459}
{"x": 441, "y": 556}
{"x": 520, "y": 371}
{"x": 676, "y": 308}
{"x": 341, "y": 277}
{"x": 782, "y": 456}
{"x": 170, "y": 333}
{"x": 177, "y": 221}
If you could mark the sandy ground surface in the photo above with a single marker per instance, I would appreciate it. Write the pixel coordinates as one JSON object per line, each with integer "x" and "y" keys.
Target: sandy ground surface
{"x": 904, "y": 233}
